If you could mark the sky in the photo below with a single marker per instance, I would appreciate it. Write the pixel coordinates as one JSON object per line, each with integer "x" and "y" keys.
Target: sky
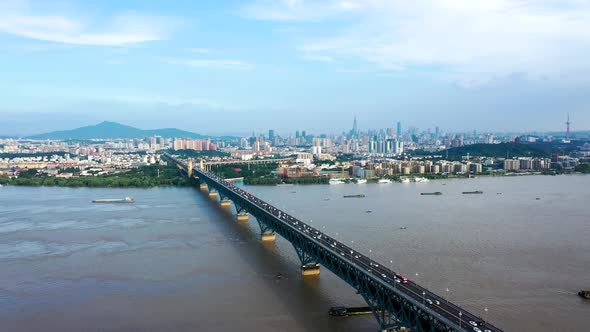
{"x": 233, "y": 67}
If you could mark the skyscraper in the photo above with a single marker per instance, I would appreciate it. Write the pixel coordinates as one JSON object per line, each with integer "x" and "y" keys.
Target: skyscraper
{"x": 567, "y": 123}
{"x": 354, "y": 131}
{"x": 399, "y": 128}
{"x": 271, "y": 135}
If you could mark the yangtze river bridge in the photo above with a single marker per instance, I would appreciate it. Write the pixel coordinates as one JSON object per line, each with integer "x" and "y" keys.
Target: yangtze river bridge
{"x": 395, "y": 300}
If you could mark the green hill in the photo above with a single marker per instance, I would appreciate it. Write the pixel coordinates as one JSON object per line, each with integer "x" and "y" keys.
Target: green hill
{"x": 498, "y": 151}
{"x": 539, "y": 150}
{"x": 114, "y": 130}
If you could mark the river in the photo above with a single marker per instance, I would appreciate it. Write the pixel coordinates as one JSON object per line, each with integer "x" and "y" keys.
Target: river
{"x": 175, "y": 261}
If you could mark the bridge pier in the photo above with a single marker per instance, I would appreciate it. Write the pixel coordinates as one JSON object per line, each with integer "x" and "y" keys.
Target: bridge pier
{"x": 268, "y": 237}
{"x": 242, "y": 217}
{"x": 225, "y": 203}
{"x": 203, "y": 186}
{"x": 213, "y": 194}
{"x": 310, "y": 270}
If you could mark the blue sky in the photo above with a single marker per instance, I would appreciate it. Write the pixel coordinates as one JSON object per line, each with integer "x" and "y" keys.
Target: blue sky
{"x": 241, "y": 66}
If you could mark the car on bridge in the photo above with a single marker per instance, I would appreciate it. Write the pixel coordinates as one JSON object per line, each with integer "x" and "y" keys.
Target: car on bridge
{"x": 402, "y": 278}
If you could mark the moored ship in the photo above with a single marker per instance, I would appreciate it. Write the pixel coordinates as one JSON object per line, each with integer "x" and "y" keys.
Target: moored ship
{"x": 473, "y": 192}
{"x": 114, "y": 200}
{"x": 434, "y": 193}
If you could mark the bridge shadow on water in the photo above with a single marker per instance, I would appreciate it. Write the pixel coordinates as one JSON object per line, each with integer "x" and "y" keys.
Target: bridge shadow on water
{"x": 306, "y": 298}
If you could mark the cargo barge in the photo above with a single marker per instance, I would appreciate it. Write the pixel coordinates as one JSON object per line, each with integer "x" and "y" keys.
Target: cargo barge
{"x": 354, "y": 196}
{"x": 434, "y": 193}
{"x": 472, "y": 192}
{"x": 350, "y": 311}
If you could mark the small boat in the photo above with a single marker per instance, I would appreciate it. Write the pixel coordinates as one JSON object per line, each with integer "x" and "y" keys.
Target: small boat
{"x": 420, "y": 180}
{"x": 403, "y": 227}
{"x": 384, "y": 181}
{"x": 354, "y": 196}
{"x": 434, "y": 193}
{"x": 538, "y": 198}
{"x": 361, "y": 181}
{"x": 114, "y": 200}
{"x": 405, "y": 180}
{"x": 584, "y": 294}
{"x": 473, "y": 192}
{"x": 368, "y": 211}
{"x": 335, "y": 181}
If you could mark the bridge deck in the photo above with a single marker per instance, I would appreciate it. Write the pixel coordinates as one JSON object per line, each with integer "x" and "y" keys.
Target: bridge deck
{"x": 446, "y": 314}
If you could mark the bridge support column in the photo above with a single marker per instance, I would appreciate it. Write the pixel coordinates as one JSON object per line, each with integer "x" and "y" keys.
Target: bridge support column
{"x": 309, "y": 266}
{"x": 213, "y": 194}
{"x": 225, "y": 203}
{"x": 268, "y": 237}
{"x": 242, "y": 217}
{"x": 310, "y": 270}
{"x": 203, "y": 186}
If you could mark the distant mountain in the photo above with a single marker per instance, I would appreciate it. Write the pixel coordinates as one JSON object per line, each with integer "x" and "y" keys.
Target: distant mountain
{"x": 109, "y": 129}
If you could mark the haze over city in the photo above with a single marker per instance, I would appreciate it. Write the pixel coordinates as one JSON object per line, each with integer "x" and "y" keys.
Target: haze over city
{"x": 235, "y": 66}
{"x": 294, "y": 165}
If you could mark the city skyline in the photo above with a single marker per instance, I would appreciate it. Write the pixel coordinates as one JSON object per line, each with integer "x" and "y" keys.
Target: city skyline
{"x": 217, "y": 67}
{"x": 395, "y": 129}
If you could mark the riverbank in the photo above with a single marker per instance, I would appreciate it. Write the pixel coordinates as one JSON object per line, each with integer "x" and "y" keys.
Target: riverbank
{"x": 272, "y": 180}
{"x": 141, "y": 177}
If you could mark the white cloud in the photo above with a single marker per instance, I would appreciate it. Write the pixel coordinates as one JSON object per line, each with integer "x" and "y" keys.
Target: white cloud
{"x": 209, "y": 63}
{"x": 473, "y": 41}
{"x": 304, "y": 10}
{"x": 23, "y": 20}
{"x": 291, "y": 10}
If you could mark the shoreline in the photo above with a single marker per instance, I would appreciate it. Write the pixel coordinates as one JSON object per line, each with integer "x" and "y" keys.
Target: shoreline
{"x": 65, "y": 183}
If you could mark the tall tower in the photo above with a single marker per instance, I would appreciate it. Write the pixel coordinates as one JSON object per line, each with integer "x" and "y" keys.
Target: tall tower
{"x": 399, "y": 129}
{"x": 567, "y": 123}
{"x": 354, "y": 127}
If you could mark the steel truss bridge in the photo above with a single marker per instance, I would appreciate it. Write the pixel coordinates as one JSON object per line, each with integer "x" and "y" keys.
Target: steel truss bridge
{"x": 395, "y": 301}
{"x": 246, "y": 162}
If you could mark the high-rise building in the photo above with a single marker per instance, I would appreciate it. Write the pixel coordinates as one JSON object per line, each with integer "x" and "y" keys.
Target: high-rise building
{"x": 354, "y": 131}
{"x": 193, "y": 144}
{"x": 271, "y": 135}
{"x": 297, "y": 134}
{"x": 567, "y": 123}
{"x": 399, "y": 129}
{"x": 303, "y": 134}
